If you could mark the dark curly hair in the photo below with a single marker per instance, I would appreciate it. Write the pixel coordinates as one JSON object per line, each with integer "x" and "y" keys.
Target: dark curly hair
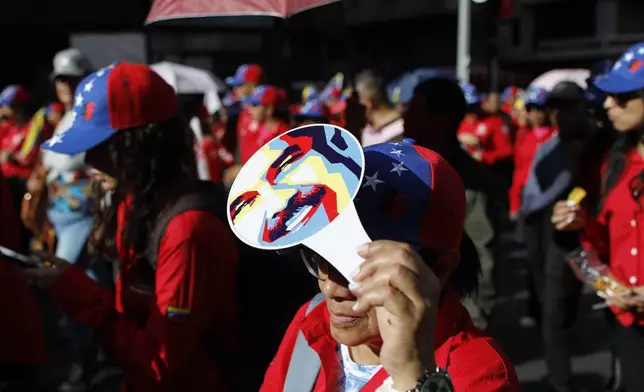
{"x": 151, "y": 163}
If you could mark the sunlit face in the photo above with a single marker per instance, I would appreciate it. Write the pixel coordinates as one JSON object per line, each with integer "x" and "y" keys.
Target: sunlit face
{"x": 260, "y": 113}
{"x": 347, "y": 327}
{"x": 6, "y": 112}
{"x": 626, "y": 112}
{"x": 304, "y": 183}
{"x": 492, "y": 103}
{"x": 244, "y": 91}
{"x": 536, "y": 116}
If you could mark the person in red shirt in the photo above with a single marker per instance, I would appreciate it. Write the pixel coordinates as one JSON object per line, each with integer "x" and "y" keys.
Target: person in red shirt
{"x": 23, "y": 339}
{"x": 485, "y": 137}
{"x": 529, "y": 137}
{"x": 616, "y": 232}
{"x": 243, "y": 83}
{"x": 170, "y": 324}
{"x": 264, "y": 104}
{"x": 401, "y": 325}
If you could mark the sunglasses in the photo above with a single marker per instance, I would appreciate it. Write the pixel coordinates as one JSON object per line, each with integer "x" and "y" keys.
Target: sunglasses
{"x": 623, "y": 98}
{"x": 636, "y": 185}
{"x": 321, "y": 269}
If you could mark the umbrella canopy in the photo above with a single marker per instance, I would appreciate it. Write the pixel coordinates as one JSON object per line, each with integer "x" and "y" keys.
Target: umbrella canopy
{"x": 179, "y": 9}
{"x": 190, "y": 80}
{"x": 549, "y": 79}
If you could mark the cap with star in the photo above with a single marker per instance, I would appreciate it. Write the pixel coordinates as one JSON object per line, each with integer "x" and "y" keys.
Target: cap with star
{"x": 536, "y": 96}
{"x": 627, "y": 74}
{"x": 14, "y": 94}
{"x": 314, "y": 110}
{"x": 266, "y": 95}
{"x": 246, "y": 73}
{"x": 411, "y": 194}
{"x": 117, "y": 97}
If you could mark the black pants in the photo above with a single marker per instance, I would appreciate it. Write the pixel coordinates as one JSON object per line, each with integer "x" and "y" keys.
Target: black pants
{"x": 556, "y": 294}
{"x": 628, "y": 343}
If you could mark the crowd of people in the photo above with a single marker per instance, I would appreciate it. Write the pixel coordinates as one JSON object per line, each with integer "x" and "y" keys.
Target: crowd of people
{"x": 117, "y": 192}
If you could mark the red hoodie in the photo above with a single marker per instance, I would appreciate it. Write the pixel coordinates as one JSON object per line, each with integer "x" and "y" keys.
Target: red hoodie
{"x": 21, "y": 331}
{"x": 159, "y": 324}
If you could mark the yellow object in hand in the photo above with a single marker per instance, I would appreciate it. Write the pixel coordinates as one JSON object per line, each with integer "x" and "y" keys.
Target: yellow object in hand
{"x": 576, "y": 196}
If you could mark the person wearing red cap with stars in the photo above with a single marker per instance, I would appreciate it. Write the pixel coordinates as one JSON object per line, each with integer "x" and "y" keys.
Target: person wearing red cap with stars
{"x": 170, "y": 324}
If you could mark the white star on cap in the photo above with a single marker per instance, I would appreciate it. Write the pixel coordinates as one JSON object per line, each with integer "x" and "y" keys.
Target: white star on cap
{"x": 100, "y": 72}
{"x": 399, "y": 168}
{"x": 617, "y": 65}
{"x": 397, "y": 152}
{"x": 55, "y": 139}
{"x": 79, "y": 100}
{"x": 88, "y": 86}
{"x": 372, "y": 181}
{"x": 640, "y": 50}
{"x": 395, "y": 143}
{"x": 629, "y": 56}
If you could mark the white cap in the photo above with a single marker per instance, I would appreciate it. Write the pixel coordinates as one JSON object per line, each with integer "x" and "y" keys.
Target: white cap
{"x": 71, "y": 62}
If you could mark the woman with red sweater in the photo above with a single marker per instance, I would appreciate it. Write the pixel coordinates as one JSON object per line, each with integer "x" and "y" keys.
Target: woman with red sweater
{"x": 529, "y": 137}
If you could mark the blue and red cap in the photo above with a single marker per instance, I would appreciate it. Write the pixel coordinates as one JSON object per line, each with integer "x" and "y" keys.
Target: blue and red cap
{"x": 117, "y": 97}
{"x": 411, "y": 194}
{"x": 55, "y": 107}
{"x": 247, "y": 73}
{"x": 266, "y": 95}
{"x": 309, "y": 93}
{"x": 14, "y": 94}
{"x": 536, "y": 96}
{"x": 472, "y": 96}
{"x": 509, "y": 92}
{"x": 313, "y": 109}
{"x": 333, "y": 90}
{"x": 593, "y": 95}
{"x": 627, "y": 74}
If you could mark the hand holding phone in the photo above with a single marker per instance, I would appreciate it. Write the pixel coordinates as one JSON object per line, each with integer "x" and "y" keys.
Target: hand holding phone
{"x": 54, "y": 268}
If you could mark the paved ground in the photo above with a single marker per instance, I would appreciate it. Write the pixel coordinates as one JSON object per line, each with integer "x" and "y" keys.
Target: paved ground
{"x": 591, "y": 362}
{"x": 523, "y": 345}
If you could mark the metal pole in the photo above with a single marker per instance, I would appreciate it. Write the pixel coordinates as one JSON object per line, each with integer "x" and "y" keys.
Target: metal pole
{"x": 463, "y": 44}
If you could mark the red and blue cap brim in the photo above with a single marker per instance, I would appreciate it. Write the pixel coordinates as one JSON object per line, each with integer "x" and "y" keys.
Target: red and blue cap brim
{"x": 78, "y": 139}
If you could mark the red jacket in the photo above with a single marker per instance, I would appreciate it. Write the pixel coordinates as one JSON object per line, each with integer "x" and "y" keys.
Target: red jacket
{"x": 159, "y": 335}
{"x": 618, "y": 233}
{"x": 525, "y": 148}
{"x": 493, "y": 138}
{"x": 474, "y": 361}
{"x": 21, "y": 331}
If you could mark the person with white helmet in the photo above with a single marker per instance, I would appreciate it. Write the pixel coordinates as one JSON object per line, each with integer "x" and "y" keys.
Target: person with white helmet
{"x": 67, "y": 183}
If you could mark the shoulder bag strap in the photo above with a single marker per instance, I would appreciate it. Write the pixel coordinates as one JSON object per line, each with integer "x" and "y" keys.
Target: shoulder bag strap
{"x": 305, "y": 363}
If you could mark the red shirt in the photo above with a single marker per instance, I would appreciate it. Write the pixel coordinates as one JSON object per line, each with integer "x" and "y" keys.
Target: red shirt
{"x": 618, "y": 233}
{"x": 255, "y": 135}
{"x": 21, "y": 331}
{"x": 493, "y": 138}
{"x": 158, "y": 335}
{"x": 217, "y": 157}
{"x": 474, "y": 362}
{"x": 525, "y": 148}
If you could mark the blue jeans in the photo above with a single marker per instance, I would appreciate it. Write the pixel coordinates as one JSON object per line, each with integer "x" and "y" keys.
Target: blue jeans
{"x": 72, "y": 231}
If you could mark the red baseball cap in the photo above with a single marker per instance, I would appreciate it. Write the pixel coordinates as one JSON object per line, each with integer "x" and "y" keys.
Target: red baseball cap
{"x": 247, "y": 73}
{"x": 14, "y": 94}
{"x": 266, "y": 96}
{"x": 117, "y": 97}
